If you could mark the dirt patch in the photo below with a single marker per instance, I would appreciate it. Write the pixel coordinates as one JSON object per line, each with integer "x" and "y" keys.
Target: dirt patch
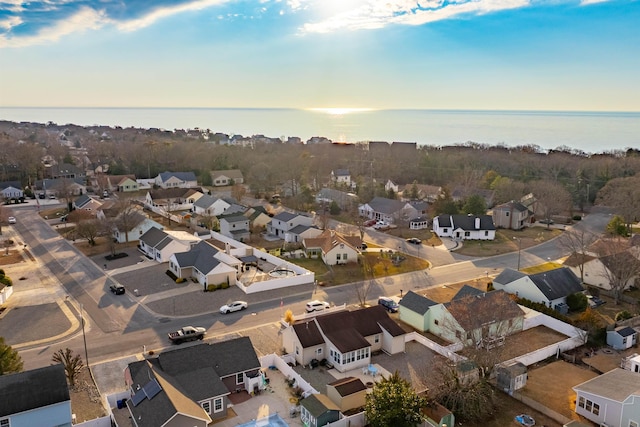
{"x": 445, "y": 293}
{"x": 13, "y": 257}
{"x": 507, "y": 241}
{"x": 551, "y": 385}
{"x": 505, "y": 413}
{"x": 101, "y": 247}
{"x": 527, "y": 341}
{"x": 85, "y": 399}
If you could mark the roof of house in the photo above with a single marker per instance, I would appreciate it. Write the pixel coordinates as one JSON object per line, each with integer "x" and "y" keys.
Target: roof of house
{"x": 83, "y": 200}
{"x": 577, "y": 259}
{"x": 621, "y": 258}
{"x": 625, "y": 331}
{"x": 617, "y": 384}
{"x": 329, "y": 239}
{"x": 153, "y": 236}
{"x": 515, "y": 368}
{"x": 299, "y": 229}
{"x": 205, "y": 201}
{"x": 235, "y": 218}
{"x": 318, "y": 404}
{"x": 308, "y": 333}
{"x": 333, "y": 194}
{"x": 285, "y": 216}
{"x": 234, "y": 174}
{"x": 172, "y": 193}
{"x": 341, "y": 172}
{"x": 474, "y": 311}
{"x": 182, "y": 176}
{"x": 201, "y": 256}
{"x": 467, "y": 291}
{"x": 35, "y": 388}
{"x": 347, "y": 329}
{"x": 467, "y": 222}
{"x": 12, "y": 184}
{"x": 386, "y": 206}
{"x": 348, "y": 386}
{"x": 512, "y": 205}
{"x": 508, "y": 275}
{"x": 416, "y": 302}
{"x": 557, "y": 283}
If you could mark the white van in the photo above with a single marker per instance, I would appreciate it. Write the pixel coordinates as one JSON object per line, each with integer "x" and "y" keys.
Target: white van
{"x": 316, "y": 305}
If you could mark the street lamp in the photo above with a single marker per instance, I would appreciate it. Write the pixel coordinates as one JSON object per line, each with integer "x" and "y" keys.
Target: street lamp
{"x": 519, "y": 249}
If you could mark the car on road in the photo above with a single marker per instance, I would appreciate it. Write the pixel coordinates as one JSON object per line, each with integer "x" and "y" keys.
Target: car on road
{"x": 316, "y": 305}
{"x": 389, "y": 304}
{"x": 233, "y": 306}
{"x": 546, "y": 221}
{"x": 12, "y": 220}
{"x": 414, "y": 241}
{"x": 117, "y": 288}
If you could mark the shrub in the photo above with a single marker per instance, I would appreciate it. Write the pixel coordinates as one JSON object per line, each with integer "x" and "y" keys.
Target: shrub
{"x": 288, "y": 317}
{"x": 6, "y": 280}
{"x": 181, "y": 280}
{"x": 623, "y": 315}
{"x": 224, "y": 285}
{"x": 544, "y": 309}
{"x": 577, "y": 301}
{"x": 211, "y": 287}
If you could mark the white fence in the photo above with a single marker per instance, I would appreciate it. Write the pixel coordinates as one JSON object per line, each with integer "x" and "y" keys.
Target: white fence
{"x": 98, "y": 422}
{"x": 356, "y": 420}
{"x": 448, "y": 352}
{"x": 274, "y": 360}
{"x": 163, "y": 212}
{"x": 272, "y": 284}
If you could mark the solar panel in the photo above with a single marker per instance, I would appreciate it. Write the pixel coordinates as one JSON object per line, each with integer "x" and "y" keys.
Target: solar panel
{"x": 152, "y": 388}
{"x": 138, "y": 397}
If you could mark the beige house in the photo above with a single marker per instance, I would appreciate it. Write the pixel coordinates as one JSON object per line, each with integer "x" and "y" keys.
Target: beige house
{"x": 348, "y": 393}
{"x": 333, "y": 248}
{"x": 226, "y": 177}
{"x": 511, "y": 215}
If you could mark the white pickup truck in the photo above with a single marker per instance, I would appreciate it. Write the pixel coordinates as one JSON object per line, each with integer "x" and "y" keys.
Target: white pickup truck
{"x": 188, "y": 333}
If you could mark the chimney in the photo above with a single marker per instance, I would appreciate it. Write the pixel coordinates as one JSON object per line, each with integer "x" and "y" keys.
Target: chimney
{"x": 227, "y": 248}
{"x": 477, "y": 223}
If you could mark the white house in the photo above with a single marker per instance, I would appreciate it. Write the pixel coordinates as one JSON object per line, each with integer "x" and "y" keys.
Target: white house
{"x": 235, "y": 227}
{"x": 11, "y": 190}
{"x": 38, "y": 397}
{"x": 622, "y": 337}
{"x": 611, "y": 399}
{"x": 212, "y": 206}
{"x": 137, "y": 223}
{"x": 226, "y": 177}
{"x": 172, "y": 199}
{"x": 159, "y": 245}
{"x": 333, "y": 247}
{"x": 206, "y": 264}
{"x": 550, "y": 288}
{"x": 176, "y": 179}
{"x": 341, "y": 177}
{"x": 283, "y": 222}
{"x": 465, "y": 227}
{"x": 598, "y": 270}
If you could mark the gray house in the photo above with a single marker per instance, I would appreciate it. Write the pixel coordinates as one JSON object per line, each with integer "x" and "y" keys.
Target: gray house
{"x": 611, "y": 399}
{"x": 235, "y": 227}
{"x": 191, "y": 386}
{"x": 512, "y": 215}
{"x": 318, "y": 410}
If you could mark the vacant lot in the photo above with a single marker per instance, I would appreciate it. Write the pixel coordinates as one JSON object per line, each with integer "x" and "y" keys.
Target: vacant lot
{"x": 507, "y": 241}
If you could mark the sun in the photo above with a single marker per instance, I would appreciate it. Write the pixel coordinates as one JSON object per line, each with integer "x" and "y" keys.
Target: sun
{"x": 340, "y": 111}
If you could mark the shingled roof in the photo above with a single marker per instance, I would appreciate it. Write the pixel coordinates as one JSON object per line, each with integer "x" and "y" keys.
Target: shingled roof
{"x": 474, "y": 311}
{"x": 557, "y": 283}
{"x": 28, "y": 390}
{"x": 416, "y": 302}
{"x": 348, "y": 386}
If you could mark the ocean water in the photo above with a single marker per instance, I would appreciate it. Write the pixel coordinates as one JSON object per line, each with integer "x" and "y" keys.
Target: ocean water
{"x": 591, "y": 132}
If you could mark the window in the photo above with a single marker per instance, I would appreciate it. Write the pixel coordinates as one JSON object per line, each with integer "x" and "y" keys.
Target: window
{"x": 588, "y": 405}
{"x": 4, "y": 422}
{"x": 239, "y": 377}
{"x": 467, "y": 233}
{"x": 207, "y": 407}
{"x": 344, "y": 257}
{"x": 376, "y": 339}
{"x": 217, "y": 405}
{"x": 507, "y": 213}
{"x": 338, "y": 257}
{"x": 319, "y": 351}
{"x": 486, "y": 233}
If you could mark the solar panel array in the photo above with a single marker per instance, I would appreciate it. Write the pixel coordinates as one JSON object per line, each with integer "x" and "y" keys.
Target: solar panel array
{"x": 149, "y": 390}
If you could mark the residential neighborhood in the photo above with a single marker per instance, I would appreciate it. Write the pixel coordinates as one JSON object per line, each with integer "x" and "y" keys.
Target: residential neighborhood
{"x": 310, "y": 297}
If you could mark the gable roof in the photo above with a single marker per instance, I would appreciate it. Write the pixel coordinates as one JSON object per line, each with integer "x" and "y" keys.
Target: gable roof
{"x": 308, "y": 333}
{"x": 508, "y": 275}
{"x": 577, "y": 259}
{"x": 36, "y": 388}
{"x": 329, "y": 239}
{"x": 467, "y": 291}
{"x": 234, "y": 174}
{"x": 512, "y": 205}
{"x": 416, "y": 302}
{"x": 153, "y": 236}
{"x": 341, "y": 172}
{"x": 318, "y": 404}
{"x": 347, "y": 329}
{"x": 557, "y": 283}
{"x": 386, "y": 206}
{"x": 474, "y": 311}
{"x": 182, "y": 176}
{"x": 617, "y": 384}
{"x": 172, "y": 193}
{"x": 285, "y": 216}
{"x": 348, "y": 386}
{"x": 468, "y": 222}
{"x": 205, "y": 201}
{"x": 201, "y": 256}
{"x": 625, "y": 331}
{"x": 12, "y": 184}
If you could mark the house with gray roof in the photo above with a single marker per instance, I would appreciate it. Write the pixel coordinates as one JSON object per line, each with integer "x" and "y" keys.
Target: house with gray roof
{"x": 129, "y": 227}
{"x": 611, "y": 399}
{"x": 38, "y": 397}
{"x": 223, "y": 178}
{"x": 11, "y": 190}
{"x": 348, "y": 393}
{"x": 344, "y": 200}
{"x": 465, "y": 227}
{"x": 318, "y": 410}
{"x": 159, "y": 245}
{"x": 341, "y": 177}
{"x": 282, "y": 224}
{"x": 191, "y": 385}
{"x": 235, "y": 227}
{"x": 345, "y": 338}
{"x": 413, "y": 309}
{"x": 211, "y": 206}
{"x": 550, "y": 288}
{"x": 511, "y": 215}
{"x": 391, "y": 210}
{"x": 622, "y": 338}
{"x": 176, "y": 179}
{"x": 206, "y": 264}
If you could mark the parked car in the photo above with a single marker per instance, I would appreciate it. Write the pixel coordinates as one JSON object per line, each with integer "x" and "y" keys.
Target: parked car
{"x": 12, "y": 220}
{"x": 41, "y": 196}
{"x": 594, "y": 302}
{"x": 389, "y": 304}
{"x": 316, "y": 305}
{"x": 381, "y": 225}
{"x": 52, "y": 196}
{"x": 546, "y": 221}
{"x": 369, "y": 223}
{"x": 233, "y": 306}
{"x": 414, "y": 241}
{"x": 187, "y": 333}
{"x": 117, "y": 288}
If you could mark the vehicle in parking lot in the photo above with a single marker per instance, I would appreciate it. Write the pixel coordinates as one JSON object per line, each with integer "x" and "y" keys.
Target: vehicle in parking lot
{"x": 389, "y": 304}
{"x": 414, "y": 241}
{"x": 117, "y": 288}
{"x": 316, "y": 305}
{"x": 233, "y": 306}
{"x": 12, "y": 220}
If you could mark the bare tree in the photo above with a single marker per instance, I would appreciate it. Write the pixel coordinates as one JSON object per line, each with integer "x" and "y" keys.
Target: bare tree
{"x": 127, "y": 216}
{"x": 363, "y": 287}
{"x": 553, "y": 199}
{"x": 577, "y": 242}
{"x": 89, "y": 229}
{"x": 621, "y": 267}
{"x": 623, "y": 195}
{"x": 238, "y": 191}
{"x": 72, "y": 364}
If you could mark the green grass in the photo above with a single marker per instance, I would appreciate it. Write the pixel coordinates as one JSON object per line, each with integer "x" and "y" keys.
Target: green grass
{"x": 507, "y": 241}
{"x": 541, "y": 268}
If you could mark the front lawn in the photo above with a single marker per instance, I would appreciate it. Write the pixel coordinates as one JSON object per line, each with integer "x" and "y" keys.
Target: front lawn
{"x": 507, "y": 241}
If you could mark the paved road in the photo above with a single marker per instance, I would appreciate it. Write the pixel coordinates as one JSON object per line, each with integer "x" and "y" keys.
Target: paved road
{"x": 120, "y": 325}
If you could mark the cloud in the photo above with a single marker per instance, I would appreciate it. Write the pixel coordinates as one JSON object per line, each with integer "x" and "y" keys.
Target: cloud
{"x": 10, "y": 22}
{"x": 163, "y": 12}
{"x": 377, "y": 14}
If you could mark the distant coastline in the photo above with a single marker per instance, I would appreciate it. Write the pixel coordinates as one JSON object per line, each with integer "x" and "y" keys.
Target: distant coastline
{"x": 587, "y": 131}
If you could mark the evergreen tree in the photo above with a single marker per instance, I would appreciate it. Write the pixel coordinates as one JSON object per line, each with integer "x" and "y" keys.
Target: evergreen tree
{"x": 10, "y": 360}
{"x": 393, "y": 402}
{"x": 475, "y": 205}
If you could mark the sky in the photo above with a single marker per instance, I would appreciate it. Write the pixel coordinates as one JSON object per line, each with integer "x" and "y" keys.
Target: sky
{"x": 578, "y": 55}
